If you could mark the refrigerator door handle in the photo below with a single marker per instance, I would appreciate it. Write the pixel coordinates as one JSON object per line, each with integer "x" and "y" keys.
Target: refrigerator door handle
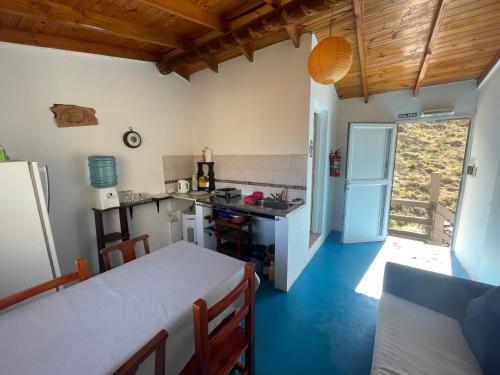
{"x": 47, "y": 186}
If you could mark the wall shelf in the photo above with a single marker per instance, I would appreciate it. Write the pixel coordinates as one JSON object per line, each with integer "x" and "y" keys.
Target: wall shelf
{"x": 124, "y": 235}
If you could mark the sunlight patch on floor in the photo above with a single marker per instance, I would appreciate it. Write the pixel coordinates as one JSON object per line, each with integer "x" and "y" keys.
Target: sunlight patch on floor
{"x": 407, "y": 252}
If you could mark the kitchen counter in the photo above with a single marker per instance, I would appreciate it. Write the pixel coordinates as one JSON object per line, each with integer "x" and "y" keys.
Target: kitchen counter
{"x": 237, "y": 203}
{"x": 192, "y": 195}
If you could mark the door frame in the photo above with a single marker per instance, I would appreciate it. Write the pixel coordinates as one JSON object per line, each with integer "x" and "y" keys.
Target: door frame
{"x": 392, "y": 155}
{"x": 318, "y": 165}
{"x": 467, "y": 156}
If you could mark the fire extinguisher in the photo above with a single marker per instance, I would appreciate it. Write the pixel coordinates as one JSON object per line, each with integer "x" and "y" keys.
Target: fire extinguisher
{"x": 335, "y": 160}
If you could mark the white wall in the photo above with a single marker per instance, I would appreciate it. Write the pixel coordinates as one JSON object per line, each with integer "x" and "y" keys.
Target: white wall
{"x": 323, "y": 99}
{"x": 124, "y": 93}
{"x": 462, "y": 96}
{"x": 478, "y": 239}
{"x": 253, "y": 108}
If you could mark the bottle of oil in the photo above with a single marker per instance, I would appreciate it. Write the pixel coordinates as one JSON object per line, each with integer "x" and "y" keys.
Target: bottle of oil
{"x": 202, "y": 182}
{"x": 271, "y": 271}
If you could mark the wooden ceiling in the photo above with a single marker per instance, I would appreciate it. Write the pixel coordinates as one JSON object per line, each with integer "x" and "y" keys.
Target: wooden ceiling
{"x": 398, "y": 44}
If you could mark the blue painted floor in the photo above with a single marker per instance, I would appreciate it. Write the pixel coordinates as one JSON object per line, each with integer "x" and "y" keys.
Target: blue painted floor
{"x": 322, "y": 325}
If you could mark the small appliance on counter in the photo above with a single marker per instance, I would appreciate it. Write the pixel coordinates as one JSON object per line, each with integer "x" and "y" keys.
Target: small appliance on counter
{"x": 182, "y": 186}
{"x": 228, "y": 193}
{"x": 103, "y": 178}
{"x": 207, "y": 155}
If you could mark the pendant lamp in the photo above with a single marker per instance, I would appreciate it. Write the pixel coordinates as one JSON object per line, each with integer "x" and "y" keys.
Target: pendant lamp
{"x": 330, "y": 60}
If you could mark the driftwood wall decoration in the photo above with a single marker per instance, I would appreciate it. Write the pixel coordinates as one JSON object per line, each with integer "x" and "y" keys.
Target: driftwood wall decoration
{"x": 72, "y": 115}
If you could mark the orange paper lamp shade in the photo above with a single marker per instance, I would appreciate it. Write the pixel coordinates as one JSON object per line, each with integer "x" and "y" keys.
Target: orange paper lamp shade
{"x": 330, "y": 60}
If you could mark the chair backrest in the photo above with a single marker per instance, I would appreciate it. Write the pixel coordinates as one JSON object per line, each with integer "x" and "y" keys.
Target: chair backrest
{"x": 80, "y": 274}
{"x": 156, "y": 345}
{"x": 126, "y": 248}
{"x": 203, "y": 316}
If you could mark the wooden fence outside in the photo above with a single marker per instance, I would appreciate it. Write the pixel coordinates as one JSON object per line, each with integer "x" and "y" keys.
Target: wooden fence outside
{"x": 438, "y": 220}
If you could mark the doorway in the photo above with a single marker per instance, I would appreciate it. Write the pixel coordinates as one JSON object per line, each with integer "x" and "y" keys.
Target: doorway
{"x": 428, "y": 177}
{"x": 318, "y": 174}
{"x": 370, "y": 162}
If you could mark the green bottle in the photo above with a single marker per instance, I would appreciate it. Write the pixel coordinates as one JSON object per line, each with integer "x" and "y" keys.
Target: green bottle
{"x": 3, "y": 154}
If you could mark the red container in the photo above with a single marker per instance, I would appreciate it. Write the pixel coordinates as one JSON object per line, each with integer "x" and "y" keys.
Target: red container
{"x": 258, "y": 195}
{"x": 249, "y": 199}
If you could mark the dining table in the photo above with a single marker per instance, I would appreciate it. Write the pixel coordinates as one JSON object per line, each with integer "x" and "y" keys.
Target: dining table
{"x": 94, "y": 326}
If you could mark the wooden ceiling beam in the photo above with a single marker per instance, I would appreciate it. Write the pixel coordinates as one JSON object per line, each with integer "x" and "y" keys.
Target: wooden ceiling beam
{"x": 50, "y": 41}
{"x": 490, "y": 66}
{"x": 296, "y": 11}
{"x": 182, "y": 73}
{"x": 64, "y": 14}
{"x": 358, "y": 13}
{"x": 247, "y": 51}
{"x": 190, "y": 12}
{"x": 438, "y": 19}
{"x": 213, "y": 66}
{"x": 294, "y": 34}
{"x": 275, "y": 3}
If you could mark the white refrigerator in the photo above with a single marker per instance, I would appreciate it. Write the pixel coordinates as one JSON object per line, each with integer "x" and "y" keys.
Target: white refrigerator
{"x": 27, "y": 252}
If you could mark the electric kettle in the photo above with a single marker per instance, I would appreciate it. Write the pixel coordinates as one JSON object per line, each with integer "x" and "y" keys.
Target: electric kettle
{"x": 182, "y": 186}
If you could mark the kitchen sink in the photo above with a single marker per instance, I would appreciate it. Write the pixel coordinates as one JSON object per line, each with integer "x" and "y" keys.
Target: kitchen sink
{"x": 277, "y": 205}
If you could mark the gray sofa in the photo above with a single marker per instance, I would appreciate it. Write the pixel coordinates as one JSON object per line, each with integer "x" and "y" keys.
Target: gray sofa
{"x": 418, "y": 331}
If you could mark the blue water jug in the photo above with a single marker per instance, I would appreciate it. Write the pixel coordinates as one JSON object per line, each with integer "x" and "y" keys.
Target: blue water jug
{"x": 102, "y": 171}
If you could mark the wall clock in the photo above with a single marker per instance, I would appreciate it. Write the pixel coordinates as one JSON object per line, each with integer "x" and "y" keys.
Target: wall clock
{"x": 132, "y": 139}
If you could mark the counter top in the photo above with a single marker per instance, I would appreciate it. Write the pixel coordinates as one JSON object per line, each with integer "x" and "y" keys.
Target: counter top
{"x": 238, "y": 204}
{"x": 192, "y": 195}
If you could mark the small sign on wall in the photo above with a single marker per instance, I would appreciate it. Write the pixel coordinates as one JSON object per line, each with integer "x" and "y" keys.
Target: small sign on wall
{"x": 68, "y": 115}
{"x": 408, "y": 115}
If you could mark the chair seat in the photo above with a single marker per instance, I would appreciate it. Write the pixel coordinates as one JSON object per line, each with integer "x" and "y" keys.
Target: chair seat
{"x": 222, "y": 355}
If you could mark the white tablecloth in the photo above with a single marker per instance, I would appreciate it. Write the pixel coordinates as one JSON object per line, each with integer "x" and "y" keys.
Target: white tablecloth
{"x": 94, "y": 326}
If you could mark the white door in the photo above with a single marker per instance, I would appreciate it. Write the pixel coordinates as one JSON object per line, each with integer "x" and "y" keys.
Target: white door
{"x": 370, "y": 164}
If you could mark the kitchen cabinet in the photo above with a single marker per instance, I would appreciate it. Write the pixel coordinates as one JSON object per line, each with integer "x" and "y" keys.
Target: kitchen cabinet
{"x": 287, "y": 229}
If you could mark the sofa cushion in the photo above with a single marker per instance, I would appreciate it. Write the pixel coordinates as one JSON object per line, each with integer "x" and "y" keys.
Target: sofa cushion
{"x": 412, "y": 339}
{"x": 481, "y": 328}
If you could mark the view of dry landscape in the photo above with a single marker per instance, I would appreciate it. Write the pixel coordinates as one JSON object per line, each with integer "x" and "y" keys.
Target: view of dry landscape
{"x": 423, "y": 148}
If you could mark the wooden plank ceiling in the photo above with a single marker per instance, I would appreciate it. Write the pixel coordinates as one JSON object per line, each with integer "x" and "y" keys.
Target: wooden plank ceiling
{"x": 397, "y": 44}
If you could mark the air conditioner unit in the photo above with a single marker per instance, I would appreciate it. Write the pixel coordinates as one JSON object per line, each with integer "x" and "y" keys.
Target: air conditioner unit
{"x": 437, "y": 112}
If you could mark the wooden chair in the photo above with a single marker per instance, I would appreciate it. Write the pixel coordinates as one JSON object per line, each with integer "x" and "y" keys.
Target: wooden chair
{"x": 220, "y": 351}
{"x": 156, "y": 345}
{"x": 127, "y": 249}
{"x": 80, "y": 274}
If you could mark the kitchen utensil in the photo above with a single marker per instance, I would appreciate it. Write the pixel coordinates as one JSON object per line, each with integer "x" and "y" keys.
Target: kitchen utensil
{"x": 238, "y": 219}
{"x": 228, "y": 193}
{"x": 125, "y": 196}
{"x": 182, "y": 186}
{"x": 249, "y": 199}
{"x": 297, "y": 201}
{"x": 258, "y": 194}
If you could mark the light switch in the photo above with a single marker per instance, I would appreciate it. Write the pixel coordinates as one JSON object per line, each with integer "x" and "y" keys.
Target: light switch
{"x": 471, "y": 168}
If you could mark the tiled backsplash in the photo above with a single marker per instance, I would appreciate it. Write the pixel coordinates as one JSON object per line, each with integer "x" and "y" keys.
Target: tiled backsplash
{"x": 263, "y": 171}
{"x": 178, "y": 167}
